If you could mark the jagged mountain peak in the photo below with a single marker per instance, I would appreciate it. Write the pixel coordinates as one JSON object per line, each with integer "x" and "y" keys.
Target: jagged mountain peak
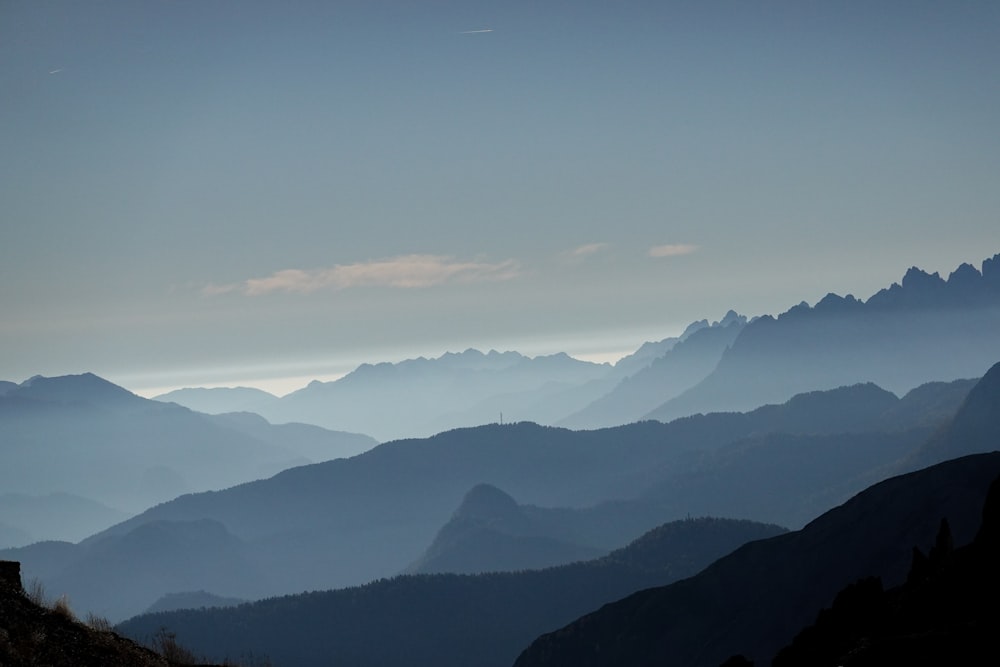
{"x": 731, "y": 317}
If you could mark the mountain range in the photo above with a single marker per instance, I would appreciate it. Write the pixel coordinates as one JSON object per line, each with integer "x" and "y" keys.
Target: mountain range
{"x": 421, "y": 397}
{"x": 348, "y": 521}
{"x": 893, "y": 339}
{"x": 926, "y": 328}
{"x": 775, "y": 420}
{"x": 752, "y": 602}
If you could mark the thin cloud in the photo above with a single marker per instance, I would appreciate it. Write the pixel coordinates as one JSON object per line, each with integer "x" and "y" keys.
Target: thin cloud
{"x": 475, "y": 32}
{"x": 581, "y": 253}
{"x": 403, "y": 272}
{"x": 55, "y": 71}
{"x": 672, "y": 250}
{"x": 587, "y": 250}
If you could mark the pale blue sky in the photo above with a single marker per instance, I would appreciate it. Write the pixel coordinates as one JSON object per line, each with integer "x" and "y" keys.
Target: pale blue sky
{"x": 207, "y": 191}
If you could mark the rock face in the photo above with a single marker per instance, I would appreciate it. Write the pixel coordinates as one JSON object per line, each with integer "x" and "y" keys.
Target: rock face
{"x": 10, "y": 576}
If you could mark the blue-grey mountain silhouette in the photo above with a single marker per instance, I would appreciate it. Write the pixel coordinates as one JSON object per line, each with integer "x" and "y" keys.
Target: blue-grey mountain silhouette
{"x": 447, "y": 620}
{"x": 85, "y": 436}
{"x": 348, "y": 521}
{"x": 925, "y": 329}
{"x": 753, "y": 601}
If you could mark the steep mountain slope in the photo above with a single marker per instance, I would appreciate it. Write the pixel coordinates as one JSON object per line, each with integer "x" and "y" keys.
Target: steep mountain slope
{"x": 34, "y": 635}
{"x": 923, "y": 330}
{"x": 490, "y": 532}
{"x": 944, "y": 614}
{"x": 973, "y": 427}
{"x": 447, "y": 620}
{"x": 684, "y": 365}
{"x": 753, "y": 601}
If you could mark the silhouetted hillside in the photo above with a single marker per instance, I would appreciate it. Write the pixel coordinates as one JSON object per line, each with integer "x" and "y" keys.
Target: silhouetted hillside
{"x": 923, "y": 330}
{"x": 489, "y": 532}
{"x": 191, "y": 600}
{"x": 35, "y": 635}
{"x": 753, "y": 601}
{"x": 946, "y": 612}
{"x": 447, "y": 620}
{"x": 974, "y": 428}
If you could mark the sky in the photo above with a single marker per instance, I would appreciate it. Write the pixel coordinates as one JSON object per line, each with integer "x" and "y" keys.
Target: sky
{"x": 239, "y": 192}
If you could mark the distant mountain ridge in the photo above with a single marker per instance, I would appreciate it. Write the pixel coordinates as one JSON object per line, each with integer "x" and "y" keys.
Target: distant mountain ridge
{"x": 83, "y": 435}
{"x": 924, "y": 329}
{"x": 53, "y": 516}
{"x": 420, "y": 397}
{"x": 893, "y": 339}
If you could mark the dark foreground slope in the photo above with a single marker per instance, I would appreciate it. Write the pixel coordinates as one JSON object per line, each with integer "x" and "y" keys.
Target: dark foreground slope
{"x": 755, "y": 600}
{"x": 447, "y": 620}
{"x": 946, "y": 613}
{"x": 34, "y": 635}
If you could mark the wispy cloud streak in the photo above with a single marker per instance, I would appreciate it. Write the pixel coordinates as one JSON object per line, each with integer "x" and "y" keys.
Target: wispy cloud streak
{"x": 402, "y": 272}
{"x": 587, "y": 250}
{"x": 581, "y": 253}
{"x": 672, "y": 250}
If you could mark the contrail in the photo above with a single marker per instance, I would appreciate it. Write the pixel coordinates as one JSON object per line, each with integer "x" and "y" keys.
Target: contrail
{"x": 55, "y": 71}
{"x": 472, "y": 32}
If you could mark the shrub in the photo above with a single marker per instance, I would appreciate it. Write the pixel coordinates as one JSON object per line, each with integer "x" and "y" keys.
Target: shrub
{"x": 165, "y": 643}
{"x": 36, "y": 592}
{"x": 61, "y": 607}
{"x": 98, "y": 623}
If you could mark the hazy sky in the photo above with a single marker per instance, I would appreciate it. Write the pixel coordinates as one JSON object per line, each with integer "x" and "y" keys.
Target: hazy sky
{"x": 207, "y": 191}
